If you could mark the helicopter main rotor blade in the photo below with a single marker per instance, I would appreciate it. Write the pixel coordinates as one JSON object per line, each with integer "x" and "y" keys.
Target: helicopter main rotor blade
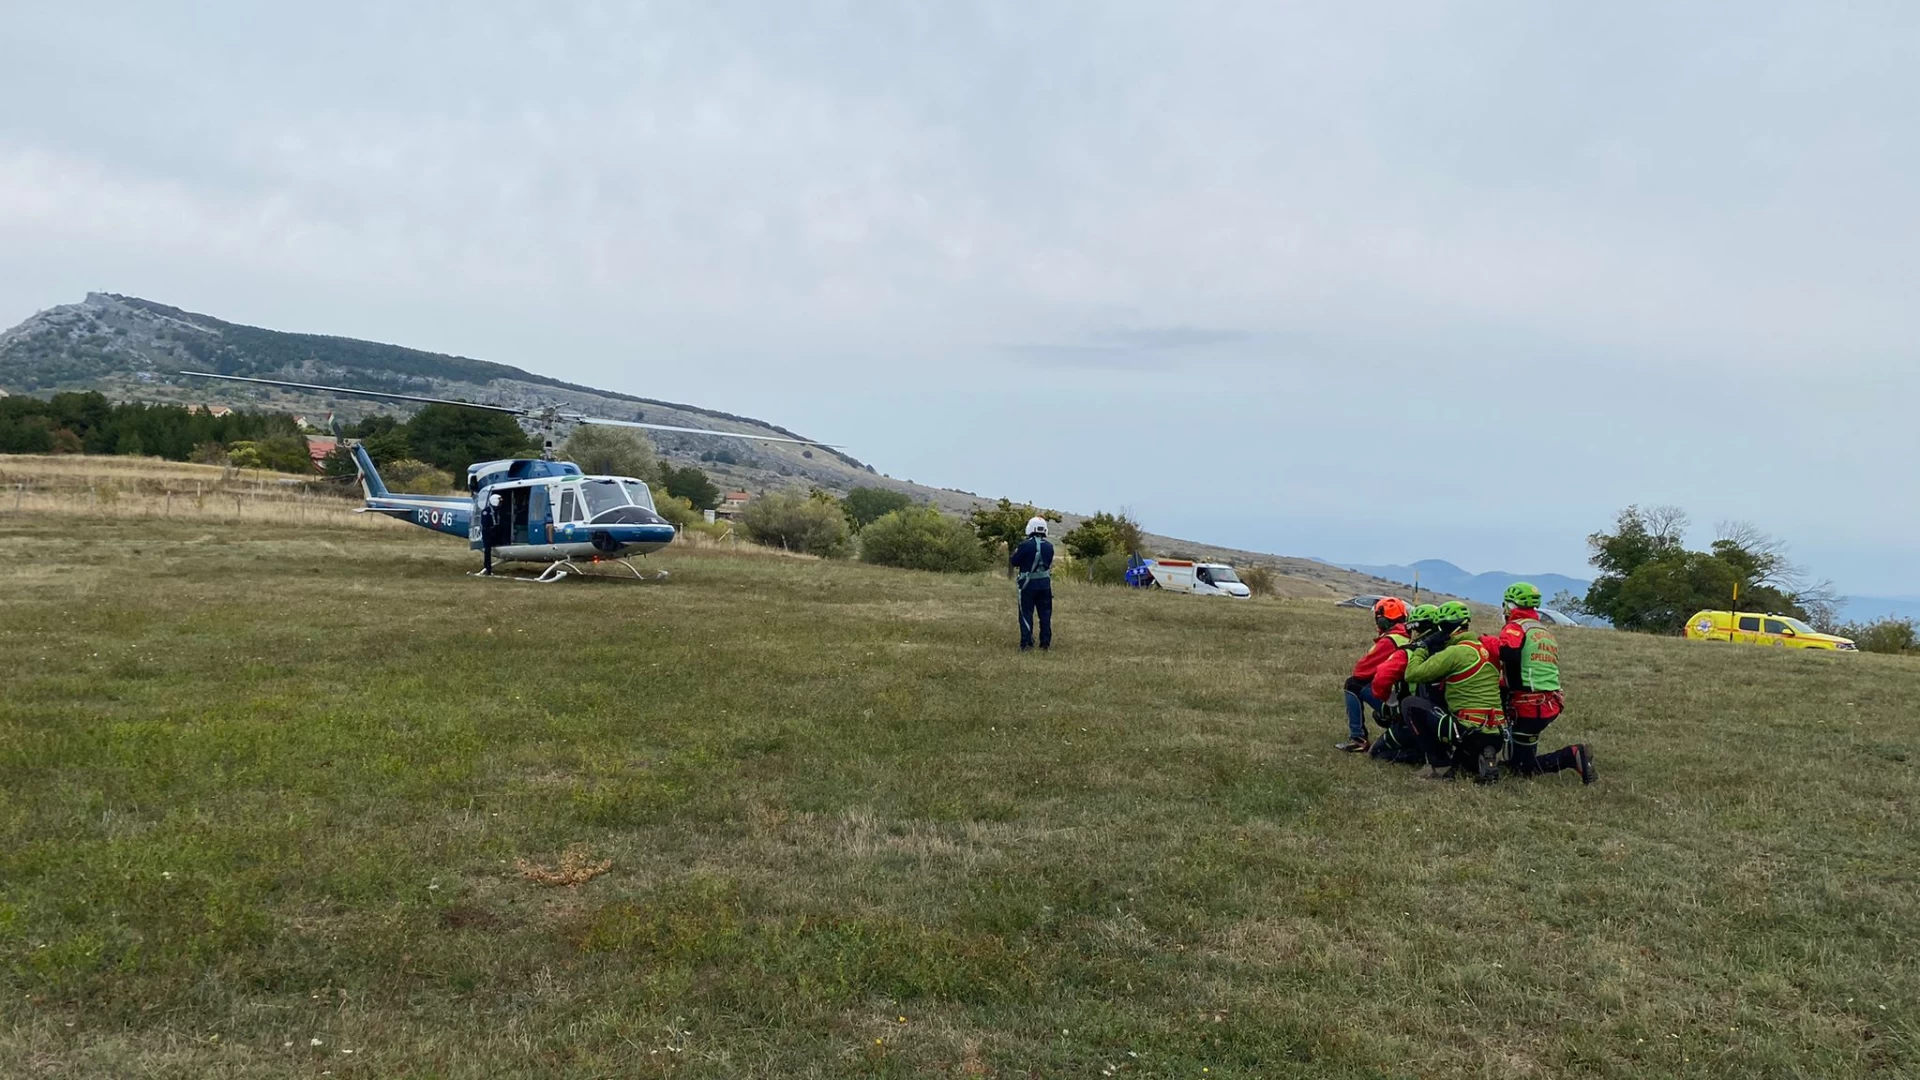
{"x": 362, "y": 393}
{"x": 538, "y": 414}
{"x": 577, "y": 419}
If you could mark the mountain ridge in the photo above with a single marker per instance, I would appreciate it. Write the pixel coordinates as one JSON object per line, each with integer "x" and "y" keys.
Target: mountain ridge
{"x": 1439, "y": 575}
{"x": 131, "y": 349}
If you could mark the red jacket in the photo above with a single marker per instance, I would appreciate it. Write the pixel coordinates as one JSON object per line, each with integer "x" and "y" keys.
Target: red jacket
{"x": 1512, "y": 636}
{"x": 1384, "y": 663}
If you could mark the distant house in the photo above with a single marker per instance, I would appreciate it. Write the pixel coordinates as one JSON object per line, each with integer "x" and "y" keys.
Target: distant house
{"x": 319, "y": 446}
{"x": 732, "y": 503}
{"x": 211, "y": 410}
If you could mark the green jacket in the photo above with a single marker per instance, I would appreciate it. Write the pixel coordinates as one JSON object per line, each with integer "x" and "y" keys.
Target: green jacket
{"x": 1471, "y": 676}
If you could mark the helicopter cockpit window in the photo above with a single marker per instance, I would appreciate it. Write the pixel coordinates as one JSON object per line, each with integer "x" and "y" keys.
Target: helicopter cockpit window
{"x": 638, "y": 492}
{"x": 601, "y": 496}
{"x": 569, "y": 506}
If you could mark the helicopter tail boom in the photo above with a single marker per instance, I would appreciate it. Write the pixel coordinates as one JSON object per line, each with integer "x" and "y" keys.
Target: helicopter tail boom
{"x": 370, "y": 482}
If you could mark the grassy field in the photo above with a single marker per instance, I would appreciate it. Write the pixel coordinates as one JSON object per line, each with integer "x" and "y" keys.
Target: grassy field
{"x": 310, "y": 801}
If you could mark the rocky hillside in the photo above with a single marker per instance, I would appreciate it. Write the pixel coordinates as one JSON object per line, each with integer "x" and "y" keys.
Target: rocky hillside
{"x": 132, "y": 350}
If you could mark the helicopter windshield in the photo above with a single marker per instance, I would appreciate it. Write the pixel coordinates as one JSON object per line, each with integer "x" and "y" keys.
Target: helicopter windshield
{"x": 638, "y": 493}
{"x": 601, "y": 496}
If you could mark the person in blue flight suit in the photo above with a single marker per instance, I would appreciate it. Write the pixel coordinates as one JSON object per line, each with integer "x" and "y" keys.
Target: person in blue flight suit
{"x": 1033, "y": 559}
{"x": 489, "y": 532}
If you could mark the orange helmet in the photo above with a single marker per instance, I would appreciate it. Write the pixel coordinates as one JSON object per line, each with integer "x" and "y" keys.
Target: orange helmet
{"x": 1390, "y": 609}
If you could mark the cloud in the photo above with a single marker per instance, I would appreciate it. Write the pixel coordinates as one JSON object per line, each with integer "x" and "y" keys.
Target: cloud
{"x": 1134, "y": 349}
{"x": 1627, "y": 216}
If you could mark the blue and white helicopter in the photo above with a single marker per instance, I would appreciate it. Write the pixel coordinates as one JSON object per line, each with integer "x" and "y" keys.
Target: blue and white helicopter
{"x": 548, "y": 511}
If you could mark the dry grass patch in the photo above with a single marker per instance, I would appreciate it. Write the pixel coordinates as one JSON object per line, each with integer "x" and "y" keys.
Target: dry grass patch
{"x": 577, "y": 866}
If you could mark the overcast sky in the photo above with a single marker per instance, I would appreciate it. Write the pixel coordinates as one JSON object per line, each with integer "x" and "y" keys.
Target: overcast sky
{"x": 1372, "y": 282}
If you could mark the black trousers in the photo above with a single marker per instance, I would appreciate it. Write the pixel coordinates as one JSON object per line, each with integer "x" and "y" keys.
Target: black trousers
{"x": 1447, "y": 744}
{"x": 1036, "y": 598}
{"x": 1525, "y": 759}
{"x": 1400, "y": 743}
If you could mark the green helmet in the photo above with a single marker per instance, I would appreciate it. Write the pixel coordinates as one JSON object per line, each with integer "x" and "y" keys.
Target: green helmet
{"x": 1453, "y": 613}
{"x": 1423, "y": 615}
{"x": 1521, "y": 594}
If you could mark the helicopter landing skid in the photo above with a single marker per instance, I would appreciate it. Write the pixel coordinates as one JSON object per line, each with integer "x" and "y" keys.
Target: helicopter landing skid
{"x": 562, "y": 567}
{"x": 556, "y": 571}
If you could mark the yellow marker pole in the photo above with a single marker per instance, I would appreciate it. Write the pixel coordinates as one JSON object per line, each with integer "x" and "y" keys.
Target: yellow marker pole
{"x": 1733, "y": 617}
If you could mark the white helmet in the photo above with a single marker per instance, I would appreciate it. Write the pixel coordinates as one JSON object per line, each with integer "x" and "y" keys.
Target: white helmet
{"x": 1037, "y": 526}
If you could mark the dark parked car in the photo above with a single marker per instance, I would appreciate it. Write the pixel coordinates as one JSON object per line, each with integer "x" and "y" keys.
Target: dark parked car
{"x": 1365, "y": 601}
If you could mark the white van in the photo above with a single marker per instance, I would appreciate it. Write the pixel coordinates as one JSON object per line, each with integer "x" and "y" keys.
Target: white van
{"x": 1201, "y": 579}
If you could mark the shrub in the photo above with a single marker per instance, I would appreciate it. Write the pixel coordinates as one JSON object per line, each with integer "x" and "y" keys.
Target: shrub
{"x": 1258, "y": 579}
{"x": 1883, "y": 635}
{"x": 210, "y": 453}
{"x": 794, "y": 522}
{"x": 922, "y": 538}
{"x": 411, "y": 474}
{"x": 1107, "y": 569}
{"x": 678, "y": 511}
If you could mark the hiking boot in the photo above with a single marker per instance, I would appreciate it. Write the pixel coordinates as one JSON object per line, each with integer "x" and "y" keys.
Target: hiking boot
{"x": 1583, "y": 761}
{"x": 1487, "y": 769}
{"x": 1354, "y": 746}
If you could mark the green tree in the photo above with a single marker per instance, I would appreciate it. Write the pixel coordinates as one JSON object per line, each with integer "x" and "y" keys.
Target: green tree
{"x": 1006, "y": 522}
{"x": 793, "y": 522}
{"x": 600, "y": 450}
{"x": 1104, "y": 533}
{"x": 866, "y": 505}
{"x": 923, "y": 538}
{"x": 388, "y": 446}
{"x": 339, "y": 463}
{"x": 451, "y": 437}
{"x": 1649, "y": 581}
{"x": 25, "y": 435}
{"x": 369, "y": 426}
{"x": 280, "y": 453}
{"x": 691, "y": 484}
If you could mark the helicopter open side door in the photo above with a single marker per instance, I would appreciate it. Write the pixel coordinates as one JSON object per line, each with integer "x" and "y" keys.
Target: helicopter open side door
{"x": 539, "y": 516}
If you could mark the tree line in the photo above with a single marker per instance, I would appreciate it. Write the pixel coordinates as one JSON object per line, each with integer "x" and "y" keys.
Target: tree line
{"x": 87, "y": 423}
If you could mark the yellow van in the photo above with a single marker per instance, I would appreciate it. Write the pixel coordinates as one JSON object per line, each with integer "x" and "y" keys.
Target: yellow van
{"x": 1752, "y": 628}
